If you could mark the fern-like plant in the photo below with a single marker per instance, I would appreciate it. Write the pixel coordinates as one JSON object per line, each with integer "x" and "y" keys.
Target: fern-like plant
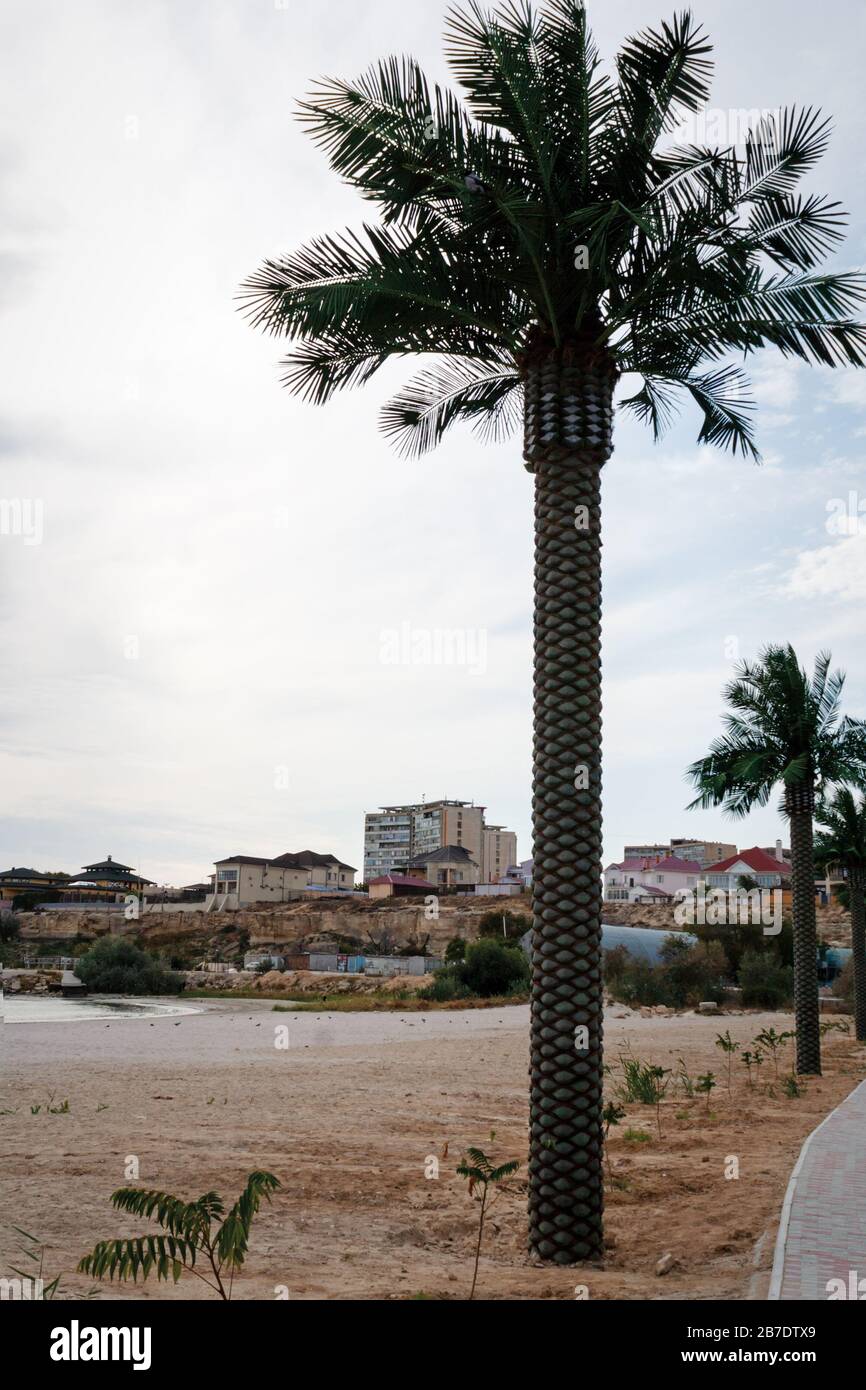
{"x": 476, "y": 1166}
{"x": 190, "y": 1235}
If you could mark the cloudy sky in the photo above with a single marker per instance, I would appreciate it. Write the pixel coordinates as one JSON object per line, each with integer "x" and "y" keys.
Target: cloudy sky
{"x": 196, "y": 595}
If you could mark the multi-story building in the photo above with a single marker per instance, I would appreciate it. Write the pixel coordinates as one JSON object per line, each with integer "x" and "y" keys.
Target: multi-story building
{"x": 706, "y": 852}
{"x": 498, "y": 853}
{"x": 646, "y": 851}
{"x": 387, "y": 841}
{"x": 394, "y": 835}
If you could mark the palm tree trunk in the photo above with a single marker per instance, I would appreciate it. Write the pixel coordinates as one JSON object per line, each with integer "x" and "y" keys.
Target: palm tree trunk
{"x": 568, "y": 425}
{"x": 800, "y": 805}
{"x": 858, "y": 951}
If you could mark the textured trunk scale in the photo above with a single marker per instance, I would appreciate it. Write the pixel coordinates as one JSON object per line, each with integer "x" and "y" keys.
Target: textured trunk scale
{"x": 568, "y": 419}
{"x": 800, "y": 808}
{"x": 856, "y": 880}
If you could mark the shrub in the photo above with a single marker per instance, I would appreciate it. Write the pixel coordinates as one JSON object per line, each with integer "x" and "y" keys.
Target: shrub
{"x": 188, "y": 1228}
{"x": 766, "y": 983}
{"x": 455, "y": 950}
{"x": 9, "y": 928}
{"x": 685, "y": 975}
{"x": 615, "y": 962}
{"x": 491, "y": 967}
{"x": 446, "y": 986}
{"x": 516, "y": 925}
{"x": 843, "y": 985}
{"x": 739, "y": 937}
{"x": 693, "y": 973}
{"x": 115, "y": 966}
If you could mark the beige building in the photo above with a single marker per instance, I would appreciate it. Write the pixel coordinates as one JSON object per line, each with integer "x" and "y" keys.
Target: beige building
{"x": 395, "y": 835}
{"x": 452, "y": 866}
{"x": 498, "y": 853}
{"x": 706, "y": 852}
{"x": 243, "y": 879}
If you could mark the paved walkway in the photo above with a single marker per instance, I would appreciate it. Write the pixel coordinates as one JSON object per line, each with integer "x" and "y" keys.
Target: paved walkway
{"x": 822, "y": 1233}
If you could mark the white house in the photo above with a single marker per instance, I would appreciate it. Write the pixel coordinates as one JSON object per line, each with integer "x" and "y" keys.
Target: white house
{"x": 767, "y": 870}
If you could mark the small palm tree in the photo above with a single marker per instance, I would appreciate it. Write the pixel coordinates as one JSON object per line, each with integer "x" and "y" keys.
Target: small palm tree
{"x": 842, "y": 841}
{"x": 476, "y": 1166}
{"x": 786, "y": 728}
{"x": 537, "y": 242}
{"x": 188, "y": 1235}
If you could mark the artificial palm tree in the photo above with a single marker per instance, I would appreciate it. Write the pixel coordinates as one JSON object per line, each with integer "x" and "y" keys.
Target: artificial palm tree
{"x": 786, "y": 728}
{"x": 538, "y": 240}
{"x": 842, "y": 841}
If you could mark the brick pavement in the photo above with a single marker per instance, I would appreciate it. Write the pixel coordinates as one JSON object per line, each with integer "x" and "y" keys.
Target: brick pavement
{"x": 822, "y": 1234}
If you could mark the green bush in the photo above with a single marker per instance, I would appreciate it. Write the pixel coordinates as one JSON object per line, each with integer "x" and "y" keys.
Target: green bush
{"x": 685, "y": 975}
{"x": 766, "y": 983}
{"x": 615, "y": 963}
{"x": 738, "y": 938}
{"x": 446, "y": 986}
{"x": 693, "y": 973}
{"x": 116, "y": 966}
{"x": 9, "y": 928}
{"x": 843, "y": 985}
{"x": 516, "y": 925}
{"x": 455, "y": 950}
{"x": 491, "y": 967}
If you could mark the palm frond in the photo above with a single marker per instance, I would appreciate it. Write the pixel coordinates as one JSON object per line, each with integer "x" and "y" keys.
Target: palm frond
{"x": 694, "y": 255}
{"x": 419, "y": 415}
{"x": 663, "y": 75}
{"x": 654, "y": 404}
{"x": 727, "y": 410}
{"x": 232, "y": 1241}
{"x": 780, "y": 150}
{"x": 164, "y": 1255}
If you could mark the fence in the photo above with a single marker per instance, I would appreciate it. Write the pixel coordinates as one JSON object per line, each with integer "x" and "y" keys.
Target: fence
{"x": 373, "y": 965}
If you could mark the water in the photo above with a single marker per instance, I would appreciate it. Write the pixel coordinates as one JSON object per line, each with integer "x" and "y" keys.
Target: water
{"x": 50, "y": 1008}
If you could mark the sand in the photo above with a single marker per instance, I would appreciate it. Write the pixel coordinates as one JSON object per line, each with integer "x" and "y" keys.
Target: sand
{"x": 348, "y": 1115}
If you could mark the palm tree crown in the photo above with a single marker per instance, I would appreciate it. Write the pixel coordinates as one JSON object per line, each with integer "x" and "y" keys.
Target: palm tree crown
{"x": 842, "y": 839}
{"x": 552, "y": 213}
{"x": 784, "y": 727}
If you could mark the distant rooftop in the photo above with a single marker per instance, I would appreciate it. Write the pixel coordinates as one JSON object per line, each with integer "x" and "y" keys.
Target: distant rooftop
{"x": 447, "y": 854}
{"x": 305, "y": 859}
{"x": 757, "y": 859}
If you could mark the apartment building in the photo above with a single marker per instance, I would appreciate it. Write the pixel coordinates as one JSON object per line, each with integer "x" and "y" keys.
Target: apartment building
{"x": 498, "y": 853}
{"x": 395, "y": 835}
{"x": 706, "y": 852}
{"x": 646, "y": 851}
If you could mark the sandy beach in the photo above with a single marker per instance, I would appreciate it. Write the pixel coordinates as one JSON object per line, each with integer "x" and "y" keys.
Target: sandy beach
{"x": 347, "y": 1115}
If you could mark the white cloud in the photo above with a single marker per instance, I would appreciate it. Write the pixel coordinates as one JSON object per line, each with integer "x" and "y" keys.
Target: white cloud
{"x": 832, "y": 571}
{"x": 849, "y": 388}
